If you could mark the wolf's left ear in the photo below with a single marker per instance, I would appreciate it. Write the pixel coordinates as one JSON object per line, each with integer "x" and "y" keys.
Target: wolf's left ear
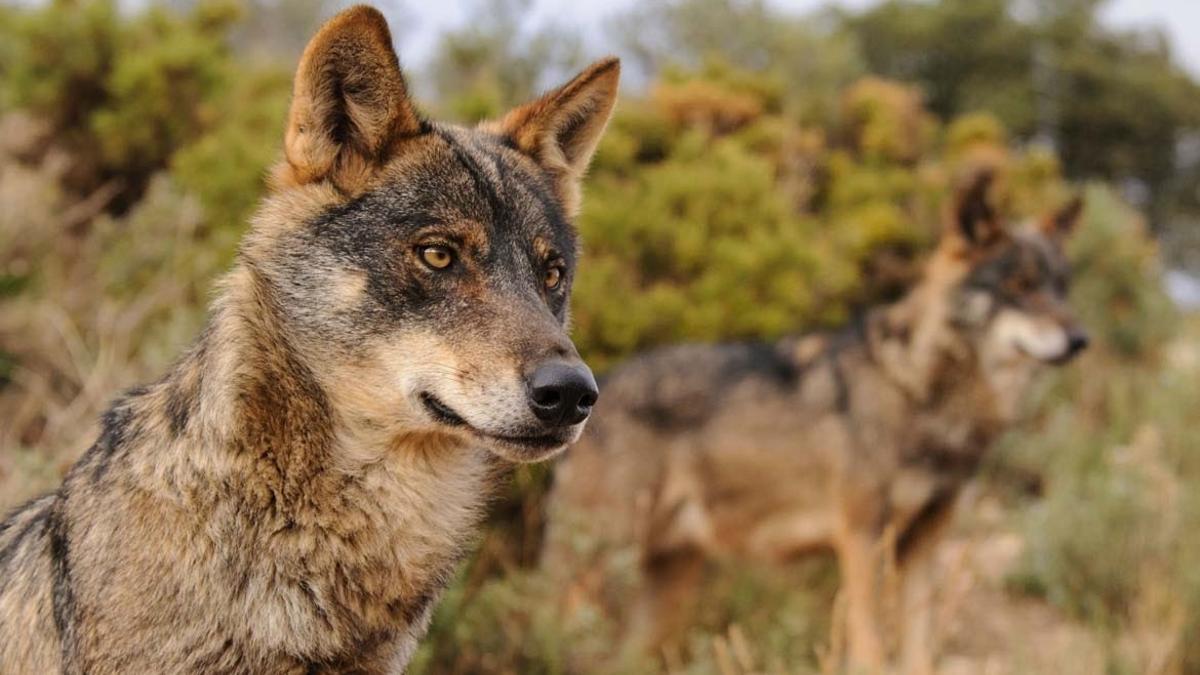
{"x": 350, "y": 104}
{"x": 972, "y": 217}
{"x": 562, "y": 129}
{"x": 1060, "y": 224}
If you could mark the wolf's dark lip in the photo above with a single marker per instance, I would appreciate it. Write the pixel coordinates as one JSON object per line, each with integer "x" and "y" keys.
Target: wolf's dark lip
{"x": 534, "y": 442}
{"x": 444, "y": 414}
{"x": 441, "y": 412}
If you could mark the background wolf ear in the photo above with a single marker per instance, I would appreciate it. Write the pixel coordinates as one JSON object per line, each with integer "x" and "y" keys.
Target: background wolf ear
{"x": 972, "y": 217}
{"x": 349, "y": 102}
{"x": 1061, "y": 223}
{"x": 562, "y": 129}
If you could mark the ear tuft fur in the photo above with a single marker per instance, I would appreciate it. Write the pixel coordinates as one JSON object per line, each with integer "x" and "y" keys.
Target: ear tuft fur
{"x": 350, "y": 103}
{"x": 562, "y": 129}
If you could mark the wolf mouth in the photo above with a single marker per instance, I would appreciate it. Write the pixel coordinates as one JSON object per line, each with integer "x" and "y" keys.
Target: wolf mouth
{"x": 446, "y": 415}
{"x": 442, "y": 412}
{"x": 1060, "y": 360}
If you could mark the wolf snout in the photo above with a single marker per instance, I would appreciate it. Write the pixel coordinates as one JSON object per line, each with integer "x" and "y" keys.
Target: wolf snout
{"x": 562, "y": 393}
{"x": 1077, "y": 341}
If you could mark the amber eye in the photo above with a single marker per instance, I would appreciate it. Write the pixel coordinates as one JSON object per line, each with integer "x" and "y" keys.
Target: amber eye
{"x": 1021, "y": 285}
{"x": 554, "y": 277}
{"x": 437, "y": 257}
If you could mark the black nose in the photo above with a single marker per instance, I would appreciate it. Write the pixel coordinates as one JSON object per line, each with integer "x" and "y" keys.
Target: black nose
{"x": 1077, "y": 341}
{"x": 562, "y": 393}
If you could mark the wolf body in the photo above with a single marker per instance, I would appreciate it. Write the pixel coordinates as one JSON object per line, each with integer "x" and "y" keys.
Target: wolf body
{"x": 857, "y": 441}
{"x": 295, "y": 494}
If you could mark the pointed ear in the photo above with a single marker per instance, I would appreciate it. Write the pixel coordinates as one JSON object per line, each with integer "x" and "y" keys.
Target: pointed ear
{"x": 1060, "y": 224}
{"x": 972, "y": 218}
{"x": 350, "y": 104}
{"x": 562, "y": 129}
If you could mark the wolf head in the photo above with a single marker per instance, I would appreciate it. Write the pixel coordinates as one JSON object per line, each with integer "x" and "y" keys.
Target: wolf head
{"x": 423, "y": 269}
{"x": 1007, "y": 289}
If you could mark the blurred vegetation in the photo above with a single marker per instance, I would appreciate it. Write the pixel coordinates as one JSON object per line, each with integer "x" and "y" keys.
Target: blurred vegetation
{"x": 1112, "y": 102}
{"x": 774, "y": 174}
{"x": 486, "y": 67}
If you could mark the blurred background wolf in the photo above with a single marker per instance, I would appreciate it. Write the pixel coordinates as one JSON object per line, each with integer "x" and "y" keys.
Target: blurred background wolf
{"x": 857, "y": 441}
{"x": 774, "y": 168}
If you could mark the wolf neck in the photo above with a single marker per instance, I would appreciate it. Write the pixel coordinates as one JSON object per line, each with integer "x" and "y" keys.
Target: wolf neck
{"x": 250, "y": 426}
{"x": 912, "y": 344}
{"x": 244, "y": 386}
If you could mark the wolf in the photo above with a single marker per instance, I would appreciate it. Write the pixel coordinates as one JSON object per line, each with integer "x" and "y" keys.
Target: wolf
{"x": 856, "y": 441}
{"x": 294, "y": 495}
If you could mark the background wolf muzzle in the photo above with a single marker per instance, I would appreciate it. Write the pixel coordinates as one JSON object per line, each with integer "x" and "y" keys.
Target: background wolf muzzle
{"x": 1077, "y": 340}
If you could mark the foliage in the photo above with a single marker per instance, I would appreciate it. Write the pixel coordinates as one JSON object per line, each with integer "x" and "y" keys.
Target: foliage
{"x": 226, "y": 168}
{"x": 1114, "y": 102}
{"x": 814, "y": 60}
{"x": 120, "y": 96}
{"x": 698, "y": 246}
{"x": 523, "y": 622}
{"x": 1117, "y": 287}
{"x": 1109, "y": 543}
{"x": 484, "y": 68}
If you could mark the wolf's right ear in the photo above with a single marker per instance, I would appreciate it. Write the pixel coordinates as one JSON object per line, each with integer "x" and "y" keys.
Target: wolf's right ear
{"x": 972, "y": 218}
{"x": 350, "y": 104}
{"x": 1060, "y": 224}
{"x": 562, "y": 129}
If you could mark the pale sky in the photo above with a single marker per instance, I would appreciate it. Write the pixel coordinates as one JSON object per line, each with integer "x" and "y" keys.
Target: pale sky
{"x": 1179, "y": 18}
{"x": 425, "y": 19}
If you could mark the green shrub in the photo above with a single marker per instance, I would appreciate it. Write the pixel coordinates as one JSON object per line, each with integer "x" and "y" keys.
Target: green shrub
{"x": 1117, "y": 281}
{"x": 121, "y": 95}
{"x": 226, "y": 168}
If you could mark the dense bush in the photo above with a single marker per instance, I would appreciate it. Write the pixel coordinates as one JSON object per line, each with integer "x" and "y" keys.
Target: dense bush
{"x": 121, "y": 96}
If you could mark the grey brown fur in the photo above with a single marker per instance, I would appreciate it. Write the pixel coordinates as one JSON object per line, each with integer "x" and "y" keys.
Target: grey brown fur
{"x": 295, "y": 494}
{"x": 857, "y": 441}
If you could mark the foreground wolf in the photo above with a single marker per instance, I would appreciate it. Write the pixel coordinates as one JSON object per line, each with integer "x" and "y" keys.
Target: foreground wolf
{"x": 294, "y": 495}
{"x": 857, "y": 441}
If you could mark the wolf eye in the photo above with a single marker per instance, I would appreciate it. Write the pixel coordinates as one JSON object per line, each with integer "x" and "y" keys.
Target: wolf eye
{"x": 554, "y": 275}
{"x": 435, "y": 256}
{"x": 1022, "y": 285}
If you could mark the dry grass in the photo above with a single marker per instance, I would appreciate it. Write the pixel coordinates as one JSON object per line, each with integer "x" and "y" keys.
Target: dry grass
{"x": 96, "y": 304}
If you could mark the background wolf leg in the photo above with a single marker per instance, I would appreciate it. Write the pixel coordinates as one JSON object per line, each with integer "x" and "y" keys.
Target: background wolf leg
{"x": 859, "y": 562}
{"x": 916, "y": 576}
{"x": 671, "y": 586}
